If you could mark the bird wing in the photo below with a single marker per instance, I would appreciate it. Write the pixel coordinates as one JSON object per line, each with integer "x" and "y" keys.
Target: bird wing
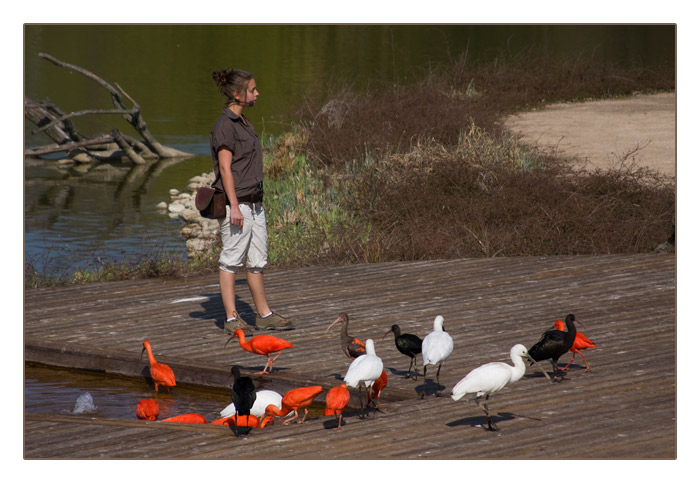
{"x": 336, "y": 400}
{"x": 484, "y": 379}
{"x": 582, "y": 342}
{"x": 365, "y": 368}
{"x": 264, "y": 344}
{"x": 163, "y": 374}
{"x": 263, "y": 399}
{"x": 436, "y": 347}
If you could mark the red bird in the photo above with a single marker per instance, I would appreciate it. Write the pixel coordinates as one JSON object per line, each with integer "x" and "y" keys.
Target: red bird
{"x": 337, "y": 399}
{"x": 580, "y": 343}
{"x": 293, "y": 400}
{"x": 379, "y": 384}
{"x": 263, "y": 345}
{"x": 161, "y": 374}
{"x": 251, "y": 422}
{"x": 187, "y": 418}
{"x": 147, "y": 409}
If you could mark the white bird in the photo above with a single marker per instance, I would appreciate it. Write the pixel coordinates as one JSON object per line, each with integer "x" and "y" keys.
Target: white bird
{"x": 262, "y": 399}
{"x": 491, "y": 377}
{"x": 437, "y": 347}
{"x": 365, "y": 369}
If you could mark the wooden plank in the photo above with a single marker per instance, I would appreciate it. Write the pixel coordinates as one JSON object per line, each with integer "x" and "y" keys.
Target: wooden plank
{"x": 625, "y": 407}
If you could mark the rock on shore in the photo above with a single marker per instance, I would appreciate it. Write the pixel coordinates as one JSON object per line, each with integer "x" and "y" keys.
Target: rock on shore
{"x": 201, "y": 234}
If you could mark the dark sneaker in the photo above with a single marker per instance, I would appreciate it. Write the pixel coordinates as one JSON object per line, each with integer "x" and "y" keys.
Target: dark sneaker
{"x": 273, "y": 322}
{"x": 231, "y": 325}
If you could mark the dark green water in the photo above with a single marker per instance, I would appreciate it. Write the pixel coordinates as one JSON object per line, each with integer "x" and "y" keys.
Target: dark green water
{"x": 74, "y": 217}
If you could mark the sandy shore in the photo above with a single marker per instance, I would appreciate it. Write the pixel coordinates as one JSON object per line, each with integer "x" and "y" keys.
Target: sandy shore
{"x": 599, "y": 133}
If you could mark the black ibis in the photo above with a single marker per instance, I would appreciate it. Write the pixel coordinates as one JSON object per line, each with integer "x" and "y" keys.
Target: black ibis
{"x": 242, "y": 394}
{"x": 409, "y": 345}
{"x": 491, "y": 377}
{"x": 351, "y": 346}
{"x": 581, "y": 342}
{"x": 555, "y": 343}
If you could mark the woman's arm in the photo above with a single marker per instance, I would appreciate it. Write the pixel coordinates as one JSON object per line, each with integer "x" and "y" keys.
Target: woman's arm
{"x": 225, "y": 159}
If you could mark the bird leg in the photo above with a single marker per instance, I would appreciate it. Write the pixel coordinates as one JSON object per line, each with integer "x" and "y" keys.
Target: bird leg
{"x": 438, "y": 380}
{"x": 425, "y": 369}
{"x": 287, "y": 421}
{"x": 588, "y": 368}
{"x": 485, "y": 408}
{"x": 572, "y": 360}
{"x": 302, "y": 420}
{"x": 339, "y": 420}
{"x": 362, "y": 402}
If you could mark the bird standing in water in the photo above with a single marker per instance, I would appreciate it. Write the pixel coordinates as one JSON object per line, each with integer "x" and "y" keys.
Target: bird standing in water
{"x": 352, "y": 347}
{"x": 147, "y": 409}
{"x": 161, "y": 374}
{"x": 337, "y": 399}
{"x": 581, "y": 342}
{"x": 242, "y": 394}
{"x": 409, "y": 345}
{"x": 262, "y": 344}
{"x": 436, "y": 348}
{"x": 365, "y": 370}
{"x": 554, "y": 343}
{"x": 491, "y": 377}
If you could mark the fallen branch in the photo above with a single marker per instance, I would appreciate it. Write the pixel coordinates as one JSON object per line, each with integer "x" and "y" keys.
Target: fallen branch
{"x": 56, "y": 124}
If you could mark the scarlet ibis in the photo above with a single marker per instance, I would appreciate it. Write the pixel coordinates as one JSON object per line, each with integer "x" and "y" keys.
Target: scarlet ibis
{"x": 436, "y": 348}
{"x": 337, "y": 399}
{"x": 491, "y": 377}
{"x": 263, "y": 345}
{"x": 161, "y": 374}
{"x": 379, "y": 384}
{"x": 554, "y": 343}
{"x": 263, "y": 398}
{"x": 581, "y": 342}
{"x": 409, "y": 345}
{"x": 294, "y": 400}
{"x": 187, "y": 418}
{"x": 351, "y": 346}
{"x": 147, "y": 409}
{"x": 242, "y": 394}
{"x": 365, "y": 370}
{"x": 251, "y": 421}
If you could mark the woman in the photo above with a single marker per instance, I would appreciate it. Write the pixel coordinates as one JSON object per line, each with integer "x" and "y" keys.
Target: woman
{"x": 238, "y": 170}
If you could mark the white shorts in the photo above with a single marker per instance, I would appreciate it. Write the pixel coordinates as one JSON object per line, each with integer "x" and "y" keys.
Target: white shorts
{"x": 248, "y": 243}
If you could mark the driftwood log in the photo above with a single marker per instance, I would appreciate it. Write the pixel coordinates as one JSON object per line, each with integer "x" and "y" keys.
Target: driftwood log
{"x": 58, "y": 126}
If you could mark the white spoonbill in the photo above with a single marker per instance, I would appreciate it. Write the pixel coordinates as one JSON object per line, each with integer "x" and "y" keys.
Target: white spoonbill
{"x": 491, "y": 377}
{"x": 365, "y": 369}
{"x": 436, "y": 348}
{"x": 263, "y": 398}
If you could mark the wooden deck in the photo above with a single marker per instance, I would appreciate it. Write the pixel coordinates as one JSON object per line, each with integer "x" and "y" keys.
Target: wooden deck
{"x": 624, "y": 408}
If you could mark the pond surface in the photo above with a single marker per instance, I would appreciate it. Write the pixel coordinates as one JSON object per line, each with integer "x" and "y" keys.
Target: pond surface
{"x": 77, "y": 217}
{"x": 56, "y": 391}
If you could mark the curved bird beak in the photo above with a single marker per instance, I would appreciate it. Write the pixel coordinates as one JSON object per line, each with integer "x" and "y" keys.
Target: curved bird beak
{"x": 142, "y": 351}
{"x": 334, "y": 322}
{"x": 229, "y": 340}
{"x": 387, "y": 333}
{"x": 538, "y": 365}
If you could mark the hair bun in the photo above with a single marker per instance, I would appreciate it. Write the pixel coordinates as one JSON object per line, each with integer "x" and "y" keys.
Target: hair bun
{"x": 221, "y": 76}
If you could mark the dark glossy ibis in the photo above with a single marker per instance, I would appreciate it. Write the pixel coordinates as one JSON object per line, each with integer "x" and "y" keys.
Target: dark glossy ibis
{"x": 352, "y": 347}
{"x": 409, "y": 345}
{"x": 242, "y": 394}
{"x": 436, "y": 348}
{"x": 581, "y": 342}
{"x": 555, "y": 343}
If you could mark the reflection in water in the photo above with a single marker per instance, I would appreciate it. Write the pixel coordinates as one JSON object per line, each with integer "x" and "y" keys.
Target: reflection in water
{"x": 57, "y": 391}
{"x": 84, "y": 215}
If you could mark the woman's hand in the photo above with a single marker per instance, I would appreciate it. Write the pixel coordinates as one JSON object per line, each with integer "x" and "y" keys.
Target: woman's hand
{"x": 236, "y": 216}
